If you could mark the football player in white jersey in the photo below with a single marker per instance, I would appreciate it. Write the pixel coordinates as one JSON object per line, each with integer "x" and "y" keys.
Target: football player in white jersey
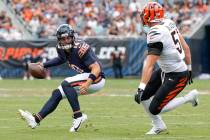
{"x": 167, "y": 47}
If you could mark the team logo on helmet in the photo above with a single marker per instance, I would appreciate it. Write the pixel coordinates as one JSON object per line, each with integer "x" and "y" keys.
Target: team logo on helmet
{"x": 152, "y": 12}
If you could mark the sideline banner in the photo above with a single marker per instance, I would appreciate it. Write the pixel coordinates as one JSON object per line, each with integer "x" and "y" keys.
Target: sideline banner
{"x": 13, "y": 55}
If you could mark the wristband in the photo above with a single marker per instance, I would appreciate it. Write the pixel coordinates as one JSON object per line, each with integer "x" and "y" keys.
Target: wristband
{"x": 92, "y": 76}
{"x": 189, "y": 67}
{"x": 142, "y": 85}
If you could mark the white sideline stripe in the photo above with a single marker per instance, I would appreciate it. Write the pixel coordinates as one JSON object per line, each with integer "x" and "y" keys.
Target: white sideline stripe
{"x": 24, "y": 89}
{"x": 38, "y": 95}
{"x": 107, "y": 95}
{"x": 129, "y": 95}
{"x": 45, "y": 89}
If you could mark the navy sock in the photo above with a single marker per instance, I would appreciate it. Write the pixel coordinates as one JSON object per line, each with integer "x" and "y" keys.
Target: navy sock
{"x": 49, "y": 106}
{"x": 71, "y": 95}
{"x": 37, "y": 119}
{"x": 77, "y": 115}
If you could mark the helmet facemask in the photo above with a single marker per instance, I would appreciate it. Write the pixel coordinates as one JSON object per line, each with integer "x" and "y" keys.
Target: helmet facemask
{"x": 65, "y": 36}
{"x": 66, "y": 42}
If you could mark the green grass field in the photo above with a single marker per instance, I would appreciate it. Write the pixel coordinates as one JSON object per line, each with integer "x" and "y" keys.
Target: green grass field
{"x": 112, "y": 113}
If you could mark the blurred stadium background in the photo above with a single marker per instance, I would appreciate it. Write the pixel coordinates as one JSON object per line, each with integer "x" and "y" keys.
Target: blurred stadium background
{"x": 27, "y": 33}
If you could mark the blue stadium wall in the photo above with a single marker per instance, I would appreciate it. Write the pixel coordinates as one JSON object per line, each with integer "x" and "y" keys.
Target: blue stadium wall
{"x": 12, "y": 53}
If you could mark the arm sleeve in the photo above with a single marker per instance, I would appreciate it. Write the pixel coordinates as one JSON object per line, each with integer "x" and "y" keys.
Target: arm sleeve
{"x": 155, "y": 41}
{"x": 89, "y": 57}
{"x": 54, "y": 62}
{"x": 155, "y": 48}
{"x": 57, "y": 60}
{"x": 156, "y": 34}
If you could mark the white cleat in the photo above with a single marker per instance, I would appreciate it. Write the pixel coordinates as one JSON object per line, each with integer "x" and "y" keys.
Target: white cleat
{"x": 77, "y": 123}
{"x": 29, "y": 118}
{"x": 158, "y": 127}
{"x": 192, "y": 97}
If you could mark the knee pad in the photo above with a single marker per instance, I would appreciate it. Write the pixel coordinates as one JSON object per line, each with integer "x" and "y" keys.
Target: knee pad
{"x": 154, "y": 111}
{"x": 154, "y": 107}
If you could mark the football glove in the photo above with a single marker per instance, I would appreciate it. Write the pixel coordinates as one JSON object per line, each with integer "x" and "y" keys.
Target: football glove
{"x": 190, "y": 80}
{"x": 138, "y": 95}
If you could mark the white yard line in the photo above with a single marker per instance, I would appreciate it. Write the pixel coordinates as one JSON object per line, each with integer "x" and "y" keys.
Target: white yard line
{"x": 129, "y": 95}
{"x": 3, "y": 93}
{"x": 38, "y": 95}
{"x": 107, "y": 95}
{"x": 24, "y": 89}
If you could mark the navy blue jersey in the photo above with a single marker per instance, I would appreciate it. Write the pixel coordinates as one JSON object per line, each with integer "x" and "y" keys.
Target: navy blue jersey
{"x": 27, "y": 58}
{"x": 79, "y": 57}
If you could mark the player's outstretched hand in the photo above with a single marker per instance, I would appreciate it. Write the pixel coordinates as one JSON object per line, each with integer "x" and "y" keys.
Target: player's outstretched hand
{"x": 190, "y": 80}
{"x": 41, "y": 64}
{"x": 137, "y": 96}
{"x": 83, "y": 88}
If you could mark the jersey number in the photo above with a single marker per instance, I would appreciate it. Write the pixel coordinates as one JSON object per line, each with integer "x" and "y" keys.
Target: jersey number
{"x": 176, "y": 41}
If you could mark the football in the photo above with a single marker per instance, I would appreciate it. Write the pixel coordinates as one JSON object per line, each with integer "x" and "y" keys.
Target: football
{"x": 36, "y": 70}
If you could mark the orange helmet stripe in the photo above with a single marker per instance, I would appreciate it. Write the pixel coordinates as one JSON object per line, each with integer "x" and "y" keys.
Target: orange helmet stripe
{"x": 152, "y": 11}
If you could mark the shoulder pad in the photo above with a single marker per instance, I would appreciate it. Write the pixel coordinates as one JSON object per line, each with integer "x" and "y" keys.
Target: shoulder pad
{"x": 155, "y": 34}
{"x": 83, "y": 47}
{"x": 169, "y": 24}
{"x": 77, "y": 43}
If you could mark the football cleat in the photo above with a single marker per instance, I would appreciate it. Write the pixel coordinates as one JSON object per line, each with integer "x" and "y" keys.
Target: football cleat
{"x": 77, "y": 123}
{"x": 29, "y": 118}
{"x": 192, "y": 97}
{"x": 158, "y": 127}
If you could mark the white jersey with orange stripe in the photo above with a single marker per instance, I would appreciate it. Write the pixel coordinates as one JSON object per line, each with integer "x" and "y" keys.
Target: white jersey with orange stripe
{"x": 172, "y": 55}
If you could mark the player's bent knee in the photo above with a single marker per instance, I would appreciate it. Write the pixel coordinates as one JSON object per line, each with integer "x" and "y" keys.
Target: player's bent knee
{"x": 154, "y": 110}
{"x": 65, "y": 84}
{"x": 57, "y": 94}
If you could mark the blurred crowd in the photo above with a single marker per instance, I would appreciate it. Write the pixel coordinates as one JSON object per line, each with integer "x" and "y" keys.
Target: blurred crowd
{"x": 185, "y": 13}
{"x": 100, "y": 17}
{"x": 7, "y": 29}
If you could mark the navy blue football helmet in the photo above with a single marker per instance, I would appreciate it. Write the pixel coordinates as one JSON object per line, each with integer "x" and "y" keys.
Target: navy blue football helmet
{"x": 65, "y": 36}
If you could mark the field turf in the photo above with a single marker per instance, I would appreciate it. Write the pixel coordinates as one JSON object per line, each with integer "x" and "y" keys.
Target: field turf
{"x": 112, "y": 113}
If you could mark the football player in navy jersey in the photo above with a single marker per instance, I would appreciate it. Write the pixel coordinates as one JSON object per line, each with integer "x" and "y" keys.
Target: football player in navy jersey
{"x": 90, "y": 79}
